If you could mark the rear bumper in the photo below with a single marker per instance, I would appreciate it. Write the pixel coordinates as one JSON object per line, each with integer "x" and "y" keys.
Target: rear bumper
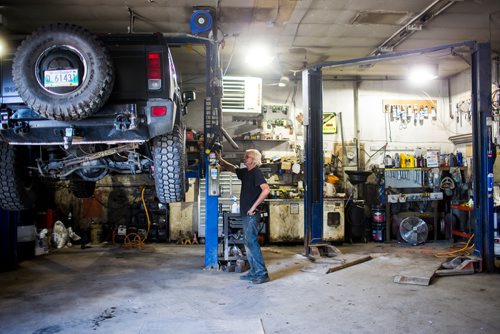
{"x": 47, "y": 132}
{"x": 114, "y": 124}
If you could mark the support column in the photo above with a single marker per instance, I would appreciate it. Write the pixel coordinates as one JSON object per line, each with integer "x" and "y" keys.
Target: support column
{"x": 482, "y": 154}
{"x": 212, "y": 110}
{"x": 211, "y": 129}
{"x": 312, "y": 91}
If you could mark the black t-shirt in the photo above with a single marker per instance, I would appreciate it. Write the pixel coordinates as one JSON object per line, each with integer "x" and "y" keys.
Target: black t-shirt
{"x": 250, "y": 187}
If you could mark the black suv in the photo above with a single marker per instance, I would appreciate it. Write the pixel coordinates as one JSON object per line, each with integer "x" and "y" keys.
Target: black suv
{"x": 76, "y": 106}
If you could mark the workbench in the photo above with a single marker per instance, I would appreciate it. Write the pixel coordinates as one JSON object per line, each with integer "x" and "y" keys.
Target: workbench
{"x": 404, "y": 185}
{"x": 433, "y": 197}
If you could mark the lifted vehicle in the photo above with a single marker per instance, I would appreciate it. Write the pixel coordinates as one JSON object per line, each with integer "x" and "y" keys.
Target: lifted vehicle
{"x": 77, "y": 107}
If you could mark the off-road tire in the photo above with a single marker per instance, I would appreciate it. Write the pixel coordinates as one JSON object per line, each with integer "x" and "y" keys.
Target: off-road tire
{"x": 169, "y": 166}
{"x": 57, "y": 45}
{"x": 82, "y": 188}
{"x": 16, "y": 186}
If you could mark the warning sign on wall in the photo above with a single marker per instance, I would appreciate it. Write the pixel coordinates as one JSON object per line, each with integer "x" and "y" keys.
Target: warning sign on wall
{"x": 329, "y": 122}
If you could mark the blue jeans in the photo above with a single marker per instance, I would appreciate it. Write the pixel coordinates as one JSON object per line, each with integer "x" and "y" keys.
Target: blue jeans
{"x": 254, "y": 254}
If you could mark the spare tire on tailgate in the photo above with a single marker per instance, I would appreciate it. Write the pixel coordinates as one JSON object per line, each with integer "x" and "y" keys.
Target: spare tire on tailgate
{"x": 63, "y": 72}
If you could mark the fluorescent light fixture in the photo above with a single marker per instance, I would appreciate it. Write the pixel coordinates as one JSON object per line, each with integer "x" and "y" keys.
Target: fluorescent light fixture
{"x": 421, "y": 73}
{"x": 258, "y": 56}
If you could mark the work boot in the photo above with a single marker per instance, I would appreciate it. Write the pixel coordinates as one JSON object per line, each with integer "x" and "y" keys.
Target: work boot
{"x": 247, "y": 277}
{"x": 261, "y": 279}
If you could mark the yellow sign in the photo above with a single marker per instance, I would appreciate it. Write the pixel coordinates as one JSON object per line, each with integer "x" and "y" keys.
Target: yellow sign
{"x": 329, "y": 122}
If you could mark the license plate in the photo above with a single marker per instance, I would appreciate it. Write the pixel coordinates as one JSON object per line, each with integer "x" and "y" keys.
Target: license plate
{"x": 61, "y": 78}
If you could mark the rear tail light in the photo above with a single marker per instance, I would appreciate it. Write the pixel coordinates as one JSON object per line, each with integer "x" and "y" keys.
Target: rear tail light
{"x": 154, "y": 71}
{"x": 157, "y": 111}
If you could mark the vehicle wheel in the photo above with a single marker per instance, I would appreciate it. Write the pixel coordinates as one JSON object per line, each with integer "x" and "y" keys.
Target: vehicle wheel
{"x": 82, "y": 188}
{"x": 63, "y": 72}
{"x": 16, "y": 185}
{"x": 169, "y": 166}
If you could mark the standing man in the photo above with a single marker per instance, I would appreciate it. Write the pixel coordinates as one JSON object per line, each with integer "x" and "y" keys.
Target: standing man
{"x": 254, "y": 189}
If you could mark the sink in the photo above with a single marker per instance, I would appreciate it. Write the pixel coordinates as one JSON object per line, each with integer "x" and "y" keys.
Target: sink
{"x": 357, "y": 176}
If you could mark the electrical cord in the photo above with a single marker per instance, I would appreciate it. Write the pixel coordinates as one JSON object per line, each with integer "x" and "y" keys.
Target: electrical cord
{"x": 134, "y": 240}
{"x": 146, "y": 211}
{"x": 458, "y": 250}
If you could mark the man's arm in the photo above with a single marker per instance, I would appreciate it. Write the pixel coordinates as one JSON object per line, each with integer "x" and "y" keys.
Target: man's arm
{"x": 263, "y": 194}
{"x": 224, "y": 164}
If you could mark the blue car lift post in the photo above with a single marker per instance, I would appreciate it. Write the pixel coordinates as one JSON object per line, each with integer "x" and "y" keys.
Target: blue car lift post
{"x": 211, "y": 106}
{"x": 312, "y": 88}
{"x": 482, "y": 159}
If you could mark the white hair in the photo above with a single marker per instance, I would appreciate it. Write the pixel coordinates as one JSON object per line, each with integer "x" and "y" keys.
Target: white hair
{"x": 257, "y": 157}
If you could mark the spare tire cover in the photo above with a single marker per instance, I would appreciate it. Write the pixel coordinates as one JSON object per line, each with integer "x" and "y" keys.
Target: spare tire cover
{"x": 63, "y": 72}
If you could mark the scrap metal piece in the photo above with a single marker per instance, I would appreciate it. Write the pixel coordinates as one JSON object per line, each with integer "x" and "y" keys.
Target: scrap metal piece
{"x": 350, "y": 263}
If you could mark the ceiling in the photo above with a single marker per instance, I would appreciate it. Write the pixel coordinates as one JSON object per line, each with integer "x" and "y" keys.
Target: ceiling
{"x": 299, "y": 32}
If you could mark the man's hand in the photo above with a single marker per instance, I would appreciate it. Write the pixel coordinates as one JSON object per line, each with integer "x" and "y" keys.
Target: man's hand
{"x": 223, "y": 163}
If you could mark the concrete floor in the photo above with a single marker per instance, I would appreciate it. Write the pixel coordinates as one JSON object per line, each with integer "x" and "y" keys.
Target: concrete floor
{"x": 106, "y": 289}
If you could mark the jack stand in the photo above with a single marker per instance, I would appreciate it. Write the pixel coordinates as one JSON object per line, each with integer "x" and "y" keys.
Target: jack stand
{"x": 195, "y": 239}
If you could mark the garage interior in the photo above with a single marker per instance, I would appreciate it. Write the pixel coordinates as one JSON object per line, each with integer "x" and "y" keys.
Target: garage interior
{"x": 384, "y": 192}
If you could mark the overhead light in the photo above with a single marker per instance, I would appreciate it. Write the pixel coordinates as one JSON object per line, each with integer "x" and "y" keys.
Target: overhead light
{"x": 284, "y": 81}
{"x": 421, "y": 73}
{"x": 258, "y": 56}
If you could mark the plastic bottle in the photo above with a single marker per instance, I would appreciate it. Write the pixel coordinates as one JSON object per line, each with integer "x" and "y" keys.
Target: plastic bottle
{"x": 396, "y": 160}
{"x": 235, "y": 207}
{"x": 402, "y": 160}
